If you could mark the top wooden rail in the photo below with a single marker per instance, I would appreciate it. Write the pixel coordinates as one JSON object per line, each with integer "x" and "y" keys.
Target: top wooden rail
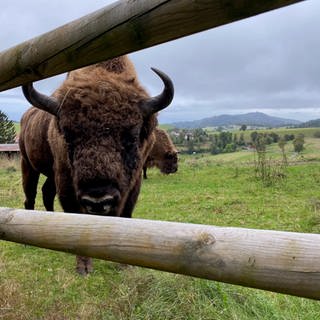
{"x": 122, "y": 27}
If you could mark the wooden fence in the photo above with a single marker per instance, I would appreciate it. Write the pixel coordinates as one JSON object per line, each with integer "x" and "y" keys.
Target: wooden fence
{"x": 272, "y": 260}
{"x": 120, "y": 28}
{"x": 9, "y": 149}
{"x": 284, "y": 262}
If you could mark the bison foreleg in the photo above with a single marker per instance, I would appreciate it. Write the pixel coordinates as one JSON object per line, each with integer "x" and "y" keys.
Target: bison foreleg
{"x": 48, "y": 193}
{"x": 69, "y": 204}
{"x": 30, "y": 179}
{"x": 84, "y": 265}
{"x": 145, "y": 172}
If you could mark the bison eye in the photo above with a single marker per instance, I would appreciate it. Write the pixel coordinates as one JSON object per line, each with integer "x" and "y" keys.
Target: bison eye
{"x": 68, "y": 135}
{"x": 130, "y": 141}
{"x": 129, "y": 138}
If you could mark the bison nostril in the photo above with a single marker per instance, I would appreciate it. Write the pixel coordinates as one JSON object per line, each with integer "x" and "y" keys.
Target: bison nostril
{"x": 99, "y": 205}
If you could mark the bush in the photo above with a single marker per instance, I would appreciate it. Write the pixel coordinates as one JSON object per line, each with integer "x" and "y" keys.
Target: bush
{"x": 289, "y": 137}
{"x": 230, "y": 147}
{"x": 298, "y": 143}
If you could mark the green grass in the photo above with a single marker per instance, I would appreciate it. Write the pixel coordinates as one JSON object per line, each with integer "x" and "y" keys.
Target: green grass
{"x": 217, "y": 190}
{"x": 166, "y": 126}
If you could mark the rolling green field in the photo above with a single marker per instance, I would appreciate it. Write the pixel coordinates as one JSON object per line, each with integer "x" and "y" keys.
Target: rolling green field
{"x": 218, "y": 190}
{"x": 307, "y": 132}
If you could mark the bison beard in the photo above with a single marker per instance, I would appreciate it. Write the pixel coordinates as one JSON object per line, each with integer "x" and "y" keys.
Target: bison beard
{"x": 90, "y": 139}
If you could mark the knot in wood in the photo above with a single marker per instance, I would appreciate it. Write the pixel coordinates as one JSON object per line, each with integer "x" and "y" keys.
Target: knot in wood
{"x": 205, "y": 239}
{"x": 6, "y": 216}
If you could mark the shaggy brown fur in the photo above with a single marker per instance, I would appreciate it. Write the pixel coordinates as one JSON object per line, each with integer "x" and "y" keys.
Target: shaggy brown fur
{"x": 163, "y": 154}
{"x": 96, "y": 145}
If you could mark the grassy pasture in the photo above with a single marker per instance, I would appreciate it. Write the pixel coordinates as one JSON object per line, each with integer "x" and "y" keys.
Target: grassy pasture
{"x": 218, "y": 190}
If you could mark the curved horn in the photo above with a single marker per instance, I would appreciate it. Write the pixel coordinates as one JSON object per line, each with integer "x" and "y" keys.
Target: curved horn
{"x": 39, "y": 100}
{"x": 161, "y": 101}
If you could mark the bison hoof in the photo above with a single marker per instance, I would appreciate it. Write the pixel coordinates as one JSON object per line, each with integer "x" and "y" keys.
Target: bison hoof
{"x": 82, "y": 271}
{"x": 84, "y": 265}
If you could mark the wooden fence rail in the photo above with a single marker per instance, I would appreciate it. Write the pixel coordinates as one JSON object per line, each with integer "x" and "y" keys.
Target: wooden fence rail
{"x": 284, "y": 262}
{"x": 117, "y": 29}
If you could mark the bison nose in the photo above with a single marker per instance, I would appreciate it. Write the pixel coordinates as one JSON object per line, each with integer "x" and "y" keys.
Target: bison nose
{"x": 102, "y": 205}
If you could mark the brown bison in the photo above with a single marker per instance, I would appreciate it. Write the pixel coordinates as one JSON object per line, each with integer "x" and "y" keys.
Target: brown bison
{"x": 90, "y": 139}
{"x": 163, "y": 154}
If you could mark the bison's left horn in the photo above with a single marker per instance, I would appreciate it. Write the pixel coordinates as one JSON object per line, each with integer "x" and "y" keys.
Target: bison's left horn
{"x": 39, "y": 100}
{"x": 161, "y": 101}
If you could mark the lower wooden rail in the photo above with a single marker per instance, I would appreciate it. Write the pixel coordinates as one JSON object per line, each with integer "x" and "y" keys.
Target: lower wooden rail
{"x": 283, "y": 262}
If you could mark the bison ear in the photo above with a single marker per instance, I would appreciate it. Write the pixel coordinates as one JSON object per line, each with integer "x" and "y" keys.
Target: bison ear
{"x": 155, "y": 104}
{"x": 39, "y": 100}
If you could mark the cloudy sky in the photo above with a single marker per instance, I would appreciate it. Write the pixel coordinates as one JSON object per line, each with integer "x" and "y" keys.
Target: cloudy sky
{"x": 268, "y": 63}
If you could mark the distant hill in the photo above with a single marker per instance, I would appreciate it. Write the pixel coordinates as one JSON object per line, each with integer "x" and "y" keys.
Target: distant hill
{"x": 310, "y": 124}
{"x": 257, "y": 119}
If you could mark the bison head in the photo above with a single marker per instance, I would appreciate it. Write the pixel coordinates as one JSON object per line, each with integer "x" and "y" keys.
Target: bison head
{"x": 103, "y": 125}
{"x": 169, "y": 163}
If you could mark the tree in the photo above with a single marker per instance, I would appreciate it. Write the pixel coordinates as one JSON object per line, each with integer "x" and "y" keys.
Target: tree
{"x": 289, "y": 137}
{"x": 225, "y": 137}
{"x": 200, "y": 135}
{"x": 254, "y": 136}
{"x": 275, "y": 137}
{"x": 214, "y": 148}
{"x": 298, "y": 143}
{"x": 235, "y": 139}
{"x": 230, "y": 147}
{"x": 190, "y": 146}
{"x": 241, "y": 141}
{"x": 7, "y": 130}
{"x": 243, "y": 127}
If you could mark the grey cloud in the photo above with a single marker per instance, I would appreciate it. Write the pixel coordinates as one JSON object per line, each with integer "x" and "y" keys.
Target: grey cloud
{"x": 28, "y": 19}
{"x": 267, "y": 62}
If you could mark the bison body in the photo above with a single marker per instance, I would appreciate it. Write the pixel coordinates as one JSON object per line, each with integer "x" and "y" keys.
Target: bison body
{"x": 163, "y": 154}
{"x": 90, "y": 139}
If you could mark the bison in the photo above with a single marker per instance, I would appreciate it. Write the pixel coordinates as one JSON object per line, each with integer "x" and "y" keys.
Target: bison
{"x": 90, "y": 139}
{"x": 163, "y": 154}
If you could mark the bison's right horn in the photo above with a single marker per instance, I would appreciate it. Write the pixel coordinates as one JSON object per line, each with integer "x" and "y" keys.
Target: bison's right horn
{"x": 39, "y": 100}
{"x": 161, "y": 101}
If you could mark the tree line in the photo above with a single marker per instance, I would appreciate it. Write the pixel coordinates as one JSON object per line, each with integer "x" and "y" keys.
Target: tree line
{"x": 199, "y": 140}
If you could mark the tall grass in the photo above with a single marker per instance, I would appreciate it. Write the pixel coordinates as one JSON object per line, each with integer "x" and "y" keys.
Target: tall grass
{"x": 269, "y": 170}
